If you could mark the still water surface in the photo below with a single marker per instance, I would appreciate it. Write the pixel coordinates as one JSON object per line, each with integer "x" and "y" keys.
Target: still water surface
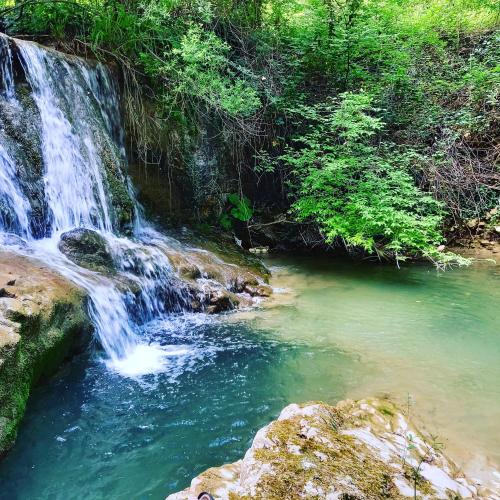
{"x": 335, "y": 329}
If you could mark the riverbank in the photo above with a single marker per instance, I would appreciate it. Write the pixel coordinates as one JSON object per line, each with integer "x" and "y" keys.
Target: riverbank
{"x": 365, "y": 450}
{"x": 416, "y": 333}
{"x": 43, "y": 321}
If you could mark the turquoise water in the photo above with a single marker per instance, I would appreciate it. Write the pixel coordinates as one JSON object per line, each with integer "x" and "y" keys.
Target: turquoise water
{"x": 336, "y": 329}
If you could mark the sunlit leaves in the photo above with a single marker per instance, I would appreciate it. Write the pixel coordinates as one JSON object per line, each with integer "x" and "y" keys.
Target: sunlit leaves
{"x": 363, "y": 195}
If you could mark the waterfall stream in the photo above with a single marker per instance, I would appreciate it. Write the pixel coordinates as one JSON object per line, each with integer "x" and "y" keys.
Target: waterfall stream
{"x": 73, "y": 178}
{"x": 74, "y": 108}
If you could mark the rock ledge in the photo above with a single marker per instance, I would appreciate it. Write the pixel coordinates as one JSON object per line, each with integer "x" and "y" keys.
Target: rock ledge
{"x": 355, "y": 450}
{"x": 43, "y": 320}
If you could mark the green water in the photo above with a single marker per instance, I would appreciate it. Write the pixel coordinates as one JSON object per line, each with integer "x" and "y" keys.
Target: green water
{"x": 433, "y": 337}
{"x": 336, "y": 329}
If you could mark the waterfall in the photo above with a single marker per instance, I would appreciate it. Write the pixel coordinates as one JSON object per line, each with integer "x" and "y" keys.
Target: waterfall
{"x": 14, "y": 207}
{"x": 79, "y": 138}
{"x": 6, "y": 73}
{"x": 74, "y": 186}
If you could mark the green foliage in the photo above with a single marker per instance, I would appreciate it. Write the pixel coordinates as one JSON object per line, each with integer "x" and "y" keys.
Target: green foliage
{"x": 187, "y": 62}
{"x": 355, "y": 191}
{"x": 376, "y": 120}
{"x": 240, "y": 209}
{"x": 199, "y": 68}
{"x": 225, "y": 221}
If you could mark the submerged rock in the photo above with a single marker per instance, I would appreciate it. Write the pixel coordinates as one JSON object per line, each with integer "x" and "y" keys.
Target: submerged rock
{"x": 355, "y": 450}
{"x": 43, "y": 320}
{"x": 86, "y": 248}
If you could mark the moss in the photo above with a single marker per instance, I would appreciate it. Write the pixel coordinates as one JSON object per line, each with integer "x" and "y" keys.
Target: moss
{"x": 414, "y": 477}
{"x": 123, "y": 206}
{"x": 370, "y": 477}
{"x": 88, "y": 249}
{"x": 223, "y": 246}
{"x": 121, "y": 200}
{"x": 316, "y": 451}
{"x": 46, "y": 340}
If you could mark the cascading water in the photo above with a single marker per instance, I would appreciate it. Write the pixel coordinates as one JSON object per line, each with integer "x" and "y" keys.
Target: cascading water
{"x": 80, "y": 141}
{"x": 14, "y": 208}
{"x": 6, "y": 73}
{"x": 74, "y": 186}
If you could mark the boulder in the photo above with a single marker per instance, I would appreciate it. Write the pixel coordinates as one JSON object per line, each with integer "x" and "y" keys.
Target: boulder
{"x": 86, "y": 248}
{"x": 217, "y": 285}
{"x": 259, "y": 291}
{"x": 355, "y": 450}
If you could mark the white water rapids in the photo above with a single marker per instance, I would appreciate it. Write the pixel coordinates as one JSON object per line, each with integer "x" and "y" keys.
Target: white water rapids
{"x": 79, "y": 129}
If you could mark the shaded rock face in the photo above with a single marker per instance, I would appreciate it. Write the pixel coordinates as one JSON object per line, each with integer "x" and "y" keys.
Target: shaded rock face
{"x": 86, "y": 248}
{"x": 355, "y": 450}
{"x": 43, "y": 320}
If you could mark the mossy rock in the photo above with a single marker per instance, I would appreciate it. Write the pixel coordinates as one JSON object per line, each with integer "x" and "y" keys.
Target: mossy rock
{"x": 353, "y": 451}
{"x": 43, "y": 321}
{"x": 123, "y": 205}
{"x": 120, "y": 196}
{"x": 86, "y": 248}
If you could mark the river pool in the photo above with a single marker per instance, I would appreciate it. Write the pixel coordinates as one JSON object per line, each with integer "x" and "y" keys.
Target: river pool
{"x": 334, "y": 329}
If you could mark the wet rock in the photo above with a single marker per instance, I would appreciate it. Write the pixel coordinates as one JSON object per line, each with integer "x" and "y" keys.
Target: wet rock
{"x": 6, "y": 293}
{"x": 259, "y": 291}
{"x": 218, "y": 285}
{"x": 357, "y": 450}
{"x": 86, "y": 248}
{"x": 12, "y": 240}
{"x": 21, "y": 136}
{"x": 221, "y": 300}
{"x": 122, "y": 202}
{"x": 43, "y": 319}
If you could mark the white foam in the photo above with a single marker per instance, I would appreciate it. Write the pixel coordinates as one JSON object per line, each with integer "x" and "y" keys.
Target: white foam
{"x": 144, "y": 359}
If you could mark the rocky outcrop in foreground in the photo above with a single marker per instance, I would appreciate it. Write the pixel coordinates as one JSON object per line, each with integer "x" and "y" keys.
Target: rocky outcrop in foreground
{"x": 355, "y": 450}
{"x": 43, "y": 320}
